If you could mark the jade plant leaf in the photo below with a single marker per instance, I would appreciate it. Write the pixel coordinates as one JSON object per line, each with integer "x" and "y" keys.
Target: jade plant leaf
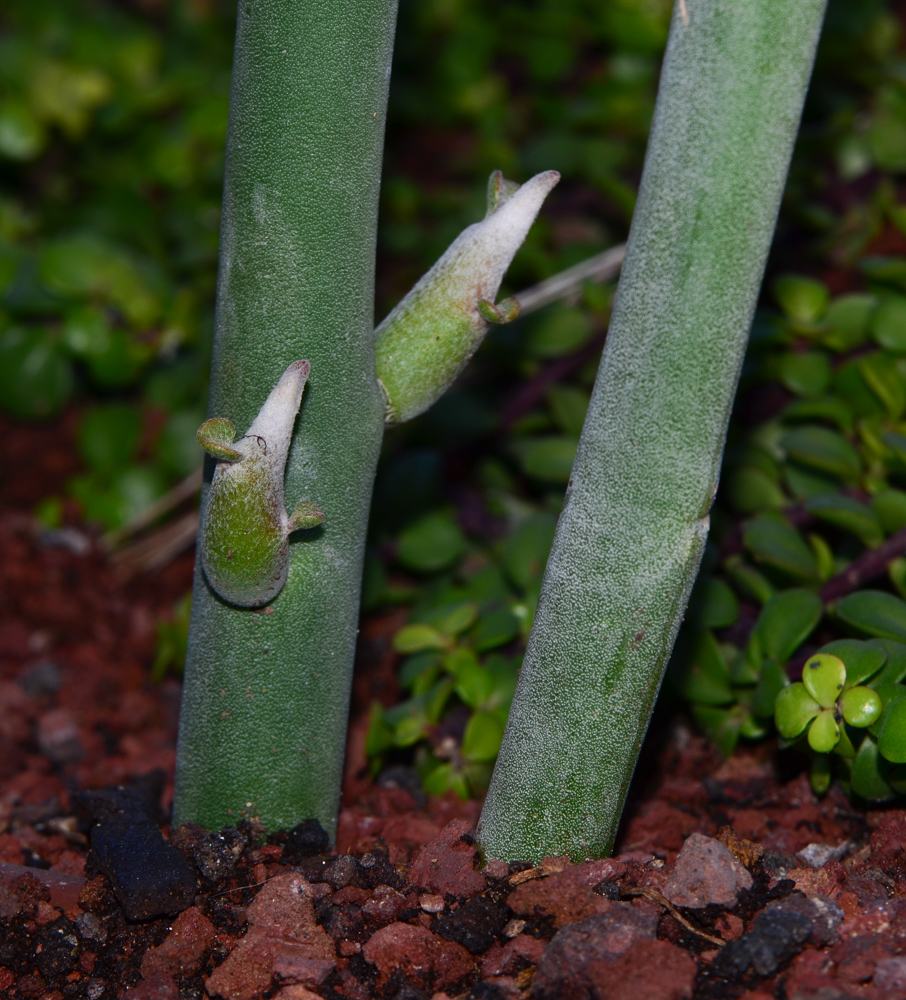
{"x": 794, "y": 709}
{"x": 824, "y": 450}
{"x": 867, "y": 775}
{"x": 863, "y": 659}
{"x": 787, "y": 620}
{"x": 850, "y": 515}
{"x": 779, "y": 544}
{"x": 875, "y": 612}
{"x": 892, "y": 739}
{"x": 824, "y": 732}
{"x": 861, "y": 706}
{"x": 824, "y": 677}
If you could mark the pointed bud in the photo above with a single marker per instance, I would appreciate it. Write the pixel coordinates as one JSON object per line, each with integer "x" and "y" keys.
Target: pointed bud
{"x": 245, "y": 538}
{"x": 427, "y": 340}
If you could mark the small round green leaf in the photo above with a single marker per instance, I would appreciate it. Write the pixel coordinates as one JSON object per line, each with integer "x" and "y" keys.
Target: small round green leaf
{"x": 892, "y": 741}
{"x": 824, "y": 732}
{"x": 888, "y": 324}
{"x": 417, "y": 637}
{"x": 860, "y": 706}
{"x": 430, "y": 544}
{"x": 779, "y": 544}
{"x": 549, "y": 458}
{"x": 863, "y": 659}
{"x": 868, "y": 776}
{"x": 805, "y": 373}
{"x": 794, "y": 709}
{"x": 787, "y": 620}
{"x": 875, "y": 612}
{"x": 804, "y": 300}
{"x": 481, "y": 740}
{"x": 824, "y": 450}
{"x": 824, "y": 677}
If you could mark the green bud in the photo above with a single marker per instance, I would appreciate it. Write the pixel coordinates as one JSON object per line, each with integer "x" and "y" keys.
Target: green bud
{"x": 245, "y": 534}
{"x": 430, "y": 336}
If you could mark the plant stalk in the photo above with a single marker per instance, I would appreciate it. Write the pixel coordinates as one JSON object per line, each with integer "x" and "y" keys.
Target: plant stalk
{"x": 635, "y": 518}
{"x": 266, "y": 693}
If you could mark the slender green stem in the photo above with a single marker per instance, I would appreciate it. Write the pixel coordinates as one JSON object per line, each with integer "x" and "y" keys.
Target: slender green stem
{"x": 266, "y": 692}
{"x": 630, "y": 538}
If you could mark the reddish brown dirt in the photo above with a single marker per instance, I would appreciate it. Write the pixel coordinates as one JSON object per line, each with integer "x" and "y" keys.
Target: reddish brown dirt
{"x": 714, "y": 892}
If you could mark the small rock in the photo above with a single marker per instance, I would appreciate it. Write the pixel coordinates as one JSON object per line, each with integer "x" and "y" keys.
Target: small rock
{"x": 215, "y": 854}
{"x": 823, "y": 913}
{"x": 385, "y": 905}
{"x": 150, "y": 878}
{"x": 41, "y": 678}
{"x": 91, "y": 927}
{"x": 778, "y": 864}
{"x": 425, "y": 959}
{"x": 376, "y": 869}
{"x": 706, "y": 873}
{"x": 431, "y": 903}
{"x": 568, "y": 895}
{"x": 653, "y": 970}
{"x": 565, "y": 968}
{"x": 156, "y": 988}
{"x": 890, "y": 975}
{"x": 295, "y": 993}
{"x": 180, "y": 953}
{"x": 517, "y": 954}
{"x": 475, "y": 925}
{"x": 57, "y": 888}
{"x": 20, "y": 892}
{"x": 305, "y": 840}
{"x": 818, "y": 855}
{"x": 345, "y": 870}
{"x": 282, "y": 935}
{"x": 447, "y": 864}
{"x": 776, "y": 936}
{"x": 58, "y": 737}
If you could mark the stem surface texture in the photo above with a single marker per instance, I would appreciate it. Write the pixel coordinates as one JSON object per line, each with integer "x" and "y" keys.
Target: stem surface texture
{"x": 266, "y": 692}
{"x": 635, "y": 519}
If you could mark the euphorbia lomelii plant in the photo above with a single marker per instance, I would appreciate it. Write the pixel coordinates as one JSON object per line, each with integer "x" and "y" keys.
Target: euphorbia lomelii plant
{"x": 267, "y": 689}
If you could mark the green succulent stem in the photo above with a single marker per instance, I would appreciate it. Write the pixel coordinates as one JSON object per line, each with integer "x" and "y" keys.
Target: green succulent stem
{"x": 266, "y": 694}
{"x": 635, "y": 519}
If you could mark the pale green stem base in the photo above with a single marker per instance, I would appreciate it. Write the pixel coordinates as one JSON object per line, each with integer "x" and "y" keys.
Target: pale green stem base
{"x": 266, "y": 694}
{"x": 630, "y": 538}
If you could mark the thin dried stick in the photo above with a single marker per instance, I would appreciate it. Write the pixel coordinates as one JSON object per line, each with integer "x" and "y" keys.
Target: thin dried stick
{"x": 663, "y": 901}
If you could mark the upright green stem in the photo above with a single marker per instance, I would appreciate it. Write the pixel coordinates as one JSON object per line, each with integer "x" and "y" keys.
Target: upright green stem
{"x": 266, "y": 691}
{"x": 635, "y": 520}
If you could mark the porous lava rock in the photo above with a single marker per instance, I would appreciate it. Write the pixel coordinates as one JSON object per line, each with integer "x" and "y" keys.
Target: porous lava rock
{"x": 447, "y": 864}
{"x": 706, "y": 874}
{"x": 422, "y": 957}
{"x": 282, "y": 940}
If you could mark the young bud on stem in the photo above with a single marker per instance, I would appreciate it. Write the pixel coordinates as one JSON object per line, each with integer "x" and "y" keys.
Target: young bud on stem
{"x": 430, "y": 336}
{"x": 245, "y": 538}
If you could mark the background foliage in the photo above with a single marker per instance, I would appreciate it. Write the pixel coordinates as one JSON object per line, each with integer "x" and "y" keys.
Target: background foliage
{"x": 112, "y": 122}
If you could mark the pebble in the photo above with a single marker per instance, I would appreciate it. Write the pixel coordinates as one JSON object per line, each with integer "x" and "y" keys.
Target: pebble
{"x": 181, "y": 952}
{"x": 58, "y": 737}
{"x": 447, "y": 864}
{"x": 423, "y": 957}
{"x": 776, "y": 936}
{"x": 475, "y": 925}
{"x": 215, "y": 855}
{"x": 565, "y": 968}
{"x": 150, "y": 878}
{"x": 305, "y": 840}
{"x": 706, "y": 874}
